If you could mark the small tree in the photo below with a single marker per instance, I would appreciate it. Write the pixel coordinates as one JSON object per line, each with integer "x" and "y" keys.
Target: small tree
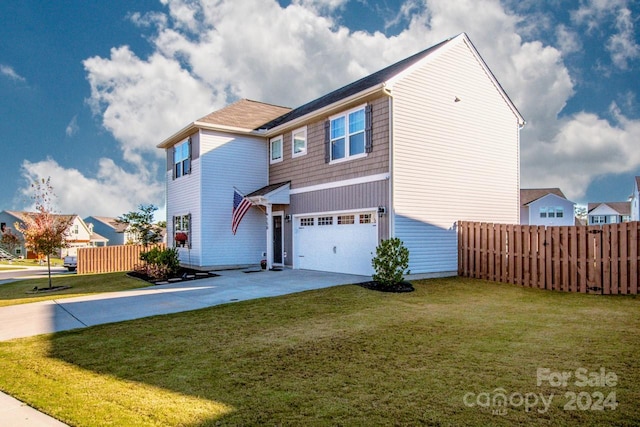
{"x": 44, "y": 232}
{"x": 391, "y": 262}
{"x": 9, "y": 241}
{"x": 140, "y": 224}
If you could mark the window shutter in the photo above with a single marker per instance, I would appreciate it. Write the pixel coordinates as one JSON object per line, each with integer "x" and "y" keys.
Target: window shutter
{"x": 327, "y": 141}
{"x": 189, "y": 231}
{"x": 188, "y": 171}
{"x": 174, "y": 231}
{"x": 173, "y": 162}
{"x": 368, "y": 134}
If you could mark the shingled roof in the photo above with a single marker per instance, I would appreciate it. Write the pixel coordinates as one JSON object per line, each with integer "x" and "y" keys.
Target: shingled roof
{"x": 353, "y": 88}
{"x": 245, "y": 113}
{"x": 623, "y": 208}
{"x": 528, "y": 195}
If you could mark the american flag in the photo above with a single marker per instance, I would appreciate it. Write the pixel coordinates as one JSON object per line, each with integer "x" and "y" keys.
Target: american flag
{"x": 240, "y": 207}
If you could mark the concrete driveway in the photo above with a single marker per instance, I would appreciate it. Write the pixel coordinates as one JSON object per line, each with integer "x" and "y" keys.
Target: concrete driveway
{"x": 231, "y": 285}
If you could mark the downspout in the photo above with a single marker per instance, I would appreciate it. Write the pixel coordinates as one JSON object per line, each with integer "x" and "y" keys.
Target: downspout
{"x": 392, "y": 212}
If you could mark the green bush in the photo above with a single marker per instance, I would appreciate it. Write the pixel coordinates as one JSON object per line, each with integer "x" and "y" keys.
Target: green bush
{"x": 160, "y": 263}
{"x": 391, "y": 262}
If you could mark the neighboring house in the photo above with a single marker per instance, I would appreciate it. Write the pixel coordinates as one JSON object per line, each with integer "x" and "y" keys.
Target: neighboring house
{"x": 405, "y": 152}
{"x": 109, "y": 228}
{"x": 635, "y": 200}
{"x": 79, "y": 234}
{"x": 545, "y": 206}
{"x": 608, "y": 212}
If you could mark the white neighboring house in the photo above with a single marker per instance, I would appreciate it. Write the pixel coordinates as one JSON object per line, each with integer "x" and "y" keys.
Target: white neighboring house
{"x": 79, "y": 234}
{"x": 545, "y": 206}
{"x": 389, "y": 155}
{"x": 635, "y": 200}
{"x": 608, "y": 212}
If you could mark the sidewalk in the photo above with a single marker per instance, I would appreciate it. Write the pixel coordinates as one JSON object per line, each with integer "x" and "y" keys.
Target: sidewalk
{"x": 26, "y": 320}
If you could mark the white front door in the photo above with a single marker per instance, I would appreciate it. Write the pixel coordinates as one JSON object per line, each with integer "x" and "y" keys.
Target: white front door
{"x": 341, "y": 243}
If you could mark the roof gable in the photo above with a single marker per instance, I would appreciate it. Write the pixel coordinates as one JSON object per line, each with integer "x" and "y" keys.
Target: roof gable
{"x": 621, "y": 208}
{"x": 528, "y": 195}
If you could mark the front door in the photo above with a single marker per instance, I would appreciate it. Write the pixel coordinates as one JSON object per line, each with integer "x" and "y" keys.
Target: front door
{"x": 277, "y": 239}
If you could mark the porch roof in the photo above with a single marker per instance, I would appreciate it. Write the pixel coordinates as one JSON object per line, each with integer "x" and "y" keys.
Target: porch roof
{"x": 271, "y": 194}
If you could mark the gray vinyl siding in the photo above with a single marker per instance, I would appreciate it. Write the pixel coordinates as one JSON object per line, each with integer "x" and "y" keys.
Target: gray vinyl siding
{"x": 451, "y": 160}
{"x": 311, "y": 169}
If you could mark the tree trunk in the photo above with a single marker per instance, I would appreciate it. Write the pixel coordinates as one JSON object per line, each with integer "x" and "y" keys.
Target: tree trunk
{"x": 49, "y": 268}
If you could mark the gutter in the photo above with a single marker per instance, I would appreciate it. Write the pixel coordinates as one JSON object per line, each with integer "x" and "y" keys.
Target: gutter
{"x": 380, "y": 87}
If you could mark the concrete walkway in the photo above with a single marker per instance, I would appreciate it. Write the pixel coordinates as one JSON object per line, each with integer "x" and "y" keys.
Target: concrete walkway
{"x": 26, "y": 320}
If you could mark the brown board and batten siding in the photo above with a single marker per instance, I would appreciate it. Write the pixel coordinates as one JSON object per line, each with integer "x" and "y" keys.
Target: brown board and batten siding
{"x": 311, "y": 169}
{"x": 455, "y": 155}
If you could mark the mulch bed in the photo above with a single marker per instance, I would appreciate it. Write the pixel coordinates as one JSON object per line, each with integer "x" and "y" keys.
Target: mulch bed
{"x": 183, "y": 274}
{"x": 397, "y": 288}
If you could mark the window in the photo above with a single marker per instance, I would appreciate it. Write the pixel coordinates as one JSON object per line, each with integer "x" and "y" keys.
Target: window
{"x": 181, "y": 233}
{"x": 306, "y": 222}
{"x": 182, "y": 159}
{"x": 543, "y": 212}
{"x": 299, "y": 142}
{"x": 365, "y": 219}
{"x": 559, "y": 212}
{"x": 347, "y": 135}
{"x": 276, "y": 150}
{"x": 346, "y": 219}
{"x": 325, "y": 220}
{"x": 598, "y": 219}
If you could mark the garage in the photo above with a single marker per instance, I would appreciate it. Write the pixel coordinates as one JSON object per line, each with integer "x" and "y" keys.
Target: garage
{"x": 337, "y": 242}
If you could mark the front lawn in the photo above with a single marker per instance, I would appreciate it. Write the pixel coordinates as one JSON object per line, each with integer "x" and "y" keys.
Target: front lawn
{"x": 21, "y": 291}
{"x": 442, "y": 355}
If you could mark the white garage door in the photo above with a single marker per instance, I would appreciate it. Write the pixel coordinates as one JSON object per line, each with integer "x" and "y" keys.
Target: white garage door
{"x": 341, "y": 243}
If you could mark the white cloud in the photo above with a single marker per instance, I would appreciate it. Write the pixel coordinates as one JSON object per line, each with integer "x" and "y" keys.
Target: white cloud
{"x": 207, "y": 54}
{"x": 72, "y": 127}
{"x": 112, "y": 192}
{"x": 8, "y": 71}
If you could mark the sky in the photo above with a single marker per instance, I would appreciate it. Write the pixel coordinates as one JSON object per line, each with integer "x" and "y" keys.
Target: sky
{"x": 89, "y": 88}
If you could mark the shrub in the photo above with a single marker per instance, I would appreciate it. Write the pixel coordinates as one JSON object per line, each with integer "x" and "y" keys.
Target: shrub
{"x": 391, "y": 262}
{"x": 160, "y": 263}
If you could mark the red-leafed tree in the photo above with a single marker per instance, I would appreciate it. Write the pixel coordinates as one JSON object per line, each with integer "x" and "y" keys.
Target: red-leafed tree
{"x": 44, "y": 232}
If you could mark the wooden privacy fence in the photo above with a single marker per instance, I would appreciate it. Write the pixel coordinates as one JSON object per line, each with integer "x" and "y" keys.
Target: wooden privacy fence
{"x": 588, "y": 259}
{"x": 107, "y": 259}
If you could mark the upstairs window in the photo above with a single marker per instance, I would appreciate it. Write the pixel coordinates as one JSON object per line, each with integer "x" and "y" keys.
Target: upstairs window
{"x": 182, "y": 159}
{"x": 347, "y": 135}
{"x": 275, "y": 149}
{"x": 299, "y": 142}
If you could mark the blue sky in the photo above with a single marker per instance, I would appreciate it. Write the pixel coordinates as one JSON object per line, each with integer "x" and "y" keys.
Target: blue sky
{"x": 87, "y": 89}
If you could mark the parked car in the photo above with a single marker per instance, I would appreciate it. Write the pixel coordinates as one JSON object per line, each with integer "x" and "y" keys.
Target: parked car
{"x": 71, "y": 263}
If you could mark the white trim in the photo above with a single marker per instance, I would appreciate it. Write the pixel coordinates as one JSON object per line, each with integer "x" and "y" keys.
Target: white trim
{"x": 338, "y": 184}
{"x": 347, "y": 153}
{"x": 328, "y": 109}
{"x": 271, "y": 141}
{"x": 293, "y": 142}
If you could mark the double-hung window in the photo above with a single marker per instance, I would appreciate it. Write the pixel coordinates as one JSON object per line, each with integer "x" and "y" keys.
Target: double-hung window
{"x": 347, "y": 134}
{"x": 299, "y": 142}
{"x": 181, "y": 227}
{"x": 182, "y": 159}
{"x": 275, "y": 149}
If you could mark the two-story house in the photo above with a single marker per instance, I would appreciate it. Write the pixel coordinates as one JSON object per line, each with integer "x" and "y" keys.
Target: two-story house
{"x": 545, "y": 206}
{"x": 78, "y": 235}
{"x": 608, "y": 212}
{"x": 405, "y": 152}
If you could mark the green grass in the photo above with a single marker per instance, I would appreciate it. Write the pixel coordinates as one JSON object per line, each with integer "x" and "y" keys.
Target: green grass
{"x": 55, "y": 262}
{"x": 18, "y": 292}
{"x": 338, "y": 356}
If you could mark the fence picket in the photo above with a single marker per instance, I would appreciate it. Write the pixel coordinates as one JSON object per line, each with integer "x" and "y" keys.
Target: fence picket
{"x": 107, "y": 259}
{"x": 587, "y": 259}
